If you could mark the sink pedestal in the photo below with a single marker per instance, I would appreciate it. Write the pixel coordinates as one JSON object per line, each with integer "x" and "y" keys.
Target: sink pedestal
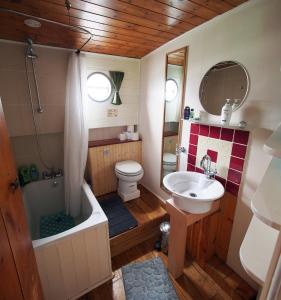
{"x": 179, "y": 221}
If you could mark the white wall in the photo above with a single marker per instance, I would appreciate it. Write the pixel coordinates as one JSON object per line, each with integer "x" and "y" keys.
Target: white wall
{"x": 129, "y": 110}
{"x": 249, "y": 34}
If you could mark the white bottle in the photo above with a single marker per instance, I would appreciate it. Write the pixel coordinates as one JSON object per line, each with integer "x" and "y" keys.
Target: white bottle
{"x": 235, "y": 104}
{"x": 226, "y": 112}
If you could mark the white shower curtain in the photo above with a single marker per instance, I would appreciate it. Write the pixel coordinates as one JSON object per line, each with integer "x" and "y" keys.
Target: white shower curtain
{"x": 75, "y": 134}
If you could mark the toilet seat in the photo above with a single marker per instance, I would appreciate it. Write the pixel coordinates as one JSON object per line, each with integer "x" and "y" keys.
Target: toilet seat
{"x": 128, "y": 168}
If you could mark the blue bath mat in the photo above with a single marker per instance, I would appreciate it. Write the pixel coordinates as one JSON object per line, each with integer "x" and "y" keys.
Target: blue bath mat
{"x": 119, "y": 217}
{"x": 148, "y": 280}
{"x": 56, "y": 223}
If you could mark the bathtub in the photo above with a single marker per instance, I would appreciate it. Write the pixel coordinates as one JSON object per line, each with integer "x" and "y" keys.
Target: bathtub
{"x": 77, "y": 260}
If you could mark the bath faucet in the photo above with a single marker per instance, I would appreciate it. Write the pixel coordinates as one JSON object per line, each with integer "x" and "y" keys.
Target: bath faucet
{"x": 52, "y": 174}
{"x": 205, "y": 164}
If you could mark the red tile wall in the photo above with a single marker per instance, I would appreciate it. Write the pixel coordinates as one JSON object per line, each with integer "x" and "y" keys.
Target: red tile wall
{"x": 239, "y": 140}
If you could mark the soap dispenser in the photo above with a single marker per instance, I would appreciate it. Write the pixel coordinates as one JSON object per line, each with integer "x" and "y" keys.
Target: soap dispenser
{"x": 226, "y": 112}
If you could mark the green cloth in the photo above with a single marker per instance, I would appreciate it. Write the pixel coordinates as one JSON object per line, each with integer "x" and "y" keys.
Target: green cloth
{"x": 117, "y": 78}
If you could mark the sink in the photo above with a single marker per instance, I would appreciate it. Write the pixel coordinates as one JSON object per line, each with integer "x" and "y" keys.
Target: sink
{"x": 193, "y": 192}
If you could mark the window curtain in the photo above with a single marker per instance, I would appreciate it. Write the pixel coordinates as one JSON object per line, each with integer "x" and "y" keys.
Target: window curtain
{"x": 117, "y": 78}
{"x": 75, "y": 133}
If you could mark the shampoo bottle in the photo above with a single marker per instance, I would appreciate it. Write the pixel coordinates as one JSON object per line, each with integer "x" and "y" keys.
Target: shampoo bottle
{"x": 226, "y": 112}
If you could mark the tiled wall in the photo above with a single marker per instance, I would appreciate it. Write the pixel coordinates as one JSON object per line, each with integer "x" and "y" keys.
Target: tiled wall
{"x": 227, "y": 149}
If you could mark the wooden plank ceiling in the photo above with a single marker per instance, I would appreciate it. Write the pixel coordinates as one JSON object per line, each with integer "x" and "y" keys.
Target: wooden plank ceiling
{"x": 131, "y": 28}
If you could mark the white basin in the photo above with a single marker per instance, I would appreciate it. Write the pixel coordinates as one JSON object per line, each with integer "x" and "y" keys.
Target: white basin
{"x": 193, "y": 192}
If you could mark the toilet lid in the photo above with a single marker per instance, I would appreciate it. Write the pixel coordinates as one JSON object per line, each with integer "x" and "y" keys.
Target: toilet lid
{"x": 169, "y": 158}
{"x": 128, "y": 167}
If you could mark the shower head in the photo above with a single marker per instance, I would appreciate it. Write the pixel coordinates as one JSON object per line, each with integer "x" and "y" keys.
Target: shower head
{"x": 29, "y": 51}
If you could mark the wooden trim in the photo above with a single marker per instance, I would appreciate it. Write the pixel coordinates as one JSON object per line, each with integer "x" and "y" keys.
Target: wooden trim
{"x": 186, "y": 50}
{"x": 108, "y": 142}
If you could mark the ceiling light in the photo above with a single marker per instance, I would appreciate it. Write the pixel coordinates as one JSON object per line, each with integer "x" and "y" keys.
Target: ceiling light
{"x": 32, "y": 23}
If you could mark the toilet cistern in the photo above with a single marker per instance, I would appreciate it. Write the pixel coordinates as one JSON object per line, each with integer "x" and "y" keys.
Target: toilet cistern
{"x": 205, "y": 164}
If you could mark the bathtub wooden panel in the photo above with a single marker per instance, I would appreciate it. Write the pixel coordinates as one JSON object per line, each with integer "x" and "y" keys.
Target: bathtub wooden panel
{"x": 101, "y": 161}
{"x": 71, "y": 266}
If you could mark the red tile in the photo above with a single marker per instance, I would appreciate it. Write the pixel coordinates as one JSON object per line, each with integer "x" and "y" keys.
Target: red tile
{"x": 236, "y": 163}
{"x": 191, "y": 168}
{"x": 221, "y": 180}
{"x": 192, "y": 149}
{"x": 193, "y": 139}
{"x": 241, "y": 137}
{"x": 215, "y": 132}
{"x": 227, "y": 134}
{"x": 239, "y": 150}
{"x": 232, "y": 188}
{"x": 199, "y": 170}
{"x": 234, "y": 176}
{"x": 204, "y": 130}
{"x": 194, "y": 128}
{"x": 192, "y": 159}
{"x": 213, "y": 154}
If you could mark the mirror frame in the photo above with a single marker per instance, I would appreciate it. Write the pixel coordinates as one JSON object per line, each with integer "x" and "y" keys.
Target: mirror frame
{"x": 247, "y": 90}
{"x": 186, "y": 48}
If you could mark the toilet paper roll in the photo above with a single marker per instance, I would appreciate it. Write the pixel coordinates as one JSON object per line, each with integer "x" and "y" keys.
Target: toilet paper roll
{"x": 122, "y": 136}
{"x": 130, "y": 128}
{"x": 135, "y": 136}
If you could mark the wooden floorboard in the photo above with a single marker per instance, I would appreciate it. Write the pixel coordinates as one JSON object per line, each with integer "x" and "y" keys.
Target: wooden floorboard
{"x": 149, "y": 213}
{"x": 194, "y": 284}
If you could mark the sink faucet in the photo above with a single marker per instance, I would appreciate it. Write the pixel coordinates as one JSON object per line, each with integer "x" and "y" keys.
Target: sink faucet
{"x": 205, "y": 164}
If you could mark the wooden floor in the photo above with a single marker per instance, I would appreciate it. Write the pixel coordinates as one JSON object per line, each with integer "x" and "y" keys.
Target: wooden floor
{"x": 148, "y": 213}
{"x": 194, "y": 284}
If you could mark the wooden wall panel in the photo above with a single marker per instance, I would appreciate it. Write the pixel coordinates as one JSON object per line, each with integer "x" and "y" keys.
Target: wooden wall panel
{"x": 212, "y": 234}
{"x": 101, "y": 162}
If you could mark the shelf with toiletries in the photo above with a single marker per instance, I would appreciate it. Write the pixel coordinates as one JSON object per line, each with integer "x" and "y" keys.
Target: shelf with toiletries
{"x": 218, "y": 124}
{"x": 273, "y": 144}
{"x": 108, "y": 142}
{"x": 266, "y": 204}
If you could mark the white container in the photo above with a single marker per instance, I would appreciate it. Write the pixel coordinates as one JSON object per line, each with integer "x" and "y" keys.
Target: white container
{"x": 235, "y": 104}
{"x": 135, "y": 136}
{"x": 129, "y": 135}
{"x": 226, "y": 112}
{"x": 130, "y": 128}
{"x": 122, "y": 136}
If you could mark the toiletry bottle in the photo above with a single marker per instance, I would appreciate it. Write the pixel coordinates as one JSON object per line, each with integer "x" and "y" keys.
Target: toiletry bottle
{"x": 186, "y": 113}
{"x": 34, "y": 173}
{"x": 235, "y": 104}
{"x": 191, "y": 113}
{"x": 226, "y": 112}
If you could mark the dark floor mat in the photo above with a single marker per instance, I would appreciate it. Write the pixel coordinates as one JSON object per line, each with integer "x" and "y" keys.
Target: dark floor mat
{"x": 119, "y": 217}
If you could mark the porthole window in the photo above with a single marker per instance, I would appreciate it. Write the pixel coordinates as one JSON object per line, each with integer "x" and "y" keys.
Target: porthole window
{"x": 99, "y": 86}
{"x": 171, "y": 90}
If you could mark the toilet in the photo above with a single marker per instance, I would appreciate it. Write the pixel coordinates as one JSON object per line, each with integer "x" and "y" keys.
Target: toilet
{"x": 128, "y": 172}
{"x": 169, "y": 163}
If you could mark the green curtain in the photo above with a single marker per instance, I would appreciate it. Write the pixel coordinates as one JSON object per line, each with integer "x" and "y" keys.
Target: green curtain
{"x": 117, "y": 78}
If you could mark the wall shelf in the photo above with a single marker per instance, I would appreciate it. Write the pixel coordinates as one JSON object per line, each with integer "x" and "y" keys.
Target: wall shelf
{"x": 266, "y": 204}
{"x": 217, "y": 124}
{"x": 257, "y": 249}
{"x": 273, "y": 144}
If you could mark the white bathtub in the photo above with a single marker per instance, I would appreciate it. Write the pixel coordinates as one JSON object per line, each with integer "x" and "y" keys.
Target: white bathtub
{"x": 77, "y": 260}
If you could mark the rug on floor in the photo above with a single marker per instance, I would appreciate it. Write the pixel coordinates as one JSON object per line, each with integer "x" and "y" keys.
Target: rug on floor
{"x": 54, "y": 224}
{"x": 119, "y": 217}
{"x": 148, "y": 280}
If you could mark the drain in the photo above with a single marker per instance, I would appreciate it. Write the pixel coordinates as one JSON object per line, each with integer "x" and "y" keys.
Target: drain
{"x": 192, "y": 195}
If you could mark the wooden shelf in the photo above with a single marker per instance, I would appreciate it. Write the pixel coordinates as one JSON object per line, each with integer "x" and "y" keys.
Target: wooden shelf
{"x": 273, "y": 144}
{"x": 266, "y": 204}
{"x": 217, "y": 124}
{"x": 257, "y": 249}
{"x": 108, "y": 142}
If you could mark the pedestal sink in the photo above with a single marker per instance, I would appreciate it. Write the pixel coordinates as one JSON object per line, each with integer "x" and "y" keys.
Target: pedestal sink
{"x": 193, "y": 192}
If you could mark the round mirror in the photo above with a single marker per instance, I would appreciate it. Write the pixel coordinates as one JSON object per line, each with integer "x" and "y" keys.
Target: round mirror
{"x": 171, "y": 90}
{"x": 225, "y": 80}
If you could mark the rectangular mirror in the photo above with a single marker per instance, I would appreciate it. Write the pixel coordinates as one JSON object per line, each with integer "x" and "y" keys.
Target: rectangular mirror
{"x": 174, "y": 102}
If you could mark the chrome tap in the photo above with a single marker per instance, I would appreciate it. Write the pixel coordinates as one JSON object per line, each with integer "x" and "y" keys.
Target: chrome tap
{"x": 207, "y": 167}
{"x": 179, "y": 149}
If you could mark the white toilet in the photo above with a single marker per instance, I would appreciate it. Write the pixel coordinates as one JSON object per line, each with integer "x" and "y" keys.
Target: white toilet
{"x": 128, "y": 172}
{"x": 169, "y": 163}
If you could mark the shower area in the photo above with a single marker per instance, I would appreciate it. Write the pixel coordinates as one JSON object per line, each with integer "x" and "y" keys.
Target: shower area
{"x": 70, "y": 235}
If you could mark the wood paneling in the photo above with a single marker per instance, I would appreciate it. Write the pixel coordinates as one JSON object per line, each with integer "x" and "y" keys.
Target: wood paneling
{"x": 101, "y": 162}
{"x": 211, "y": 236}
{"x": 130, "y": 28}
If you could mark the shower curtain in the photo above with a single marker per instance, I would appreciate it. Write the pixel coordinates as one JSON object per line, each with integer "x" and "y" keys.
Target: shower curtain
{"x": 75, "y": 133}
